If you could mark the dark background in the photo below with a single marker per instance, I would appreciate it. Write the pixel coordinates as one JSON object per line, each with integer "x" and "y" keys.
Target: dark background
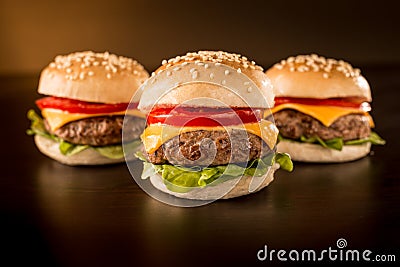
{"x": 34, "y": 32}
{"x": 55, "y": 215}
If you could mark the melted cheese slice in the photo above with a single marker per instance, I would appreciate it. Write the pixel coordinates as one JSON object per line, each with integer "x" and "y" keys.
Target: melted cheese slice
{"x": 325, "y": 114}
{"x": 157, "y": 134}
{"x": 57, "y": 118}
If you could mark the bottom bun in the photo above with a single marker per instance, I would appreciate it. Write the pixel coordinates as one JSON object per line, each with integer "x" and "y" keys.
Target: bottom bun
{"x": 86, "y": 157}
{"x": 315, "y": 153}
{"x": 229, "y": 189}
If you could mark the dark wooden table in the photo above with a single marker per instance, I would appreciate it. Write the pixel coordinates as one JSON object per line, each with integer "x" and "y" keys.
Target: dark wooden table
{"x": 55, "y": 215}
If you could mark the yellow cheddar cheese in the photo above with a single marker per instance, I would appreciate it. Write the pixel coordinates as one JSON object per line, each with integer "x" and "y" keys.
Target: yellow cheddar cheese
{"x": 157, "y": 134}
{"x": 325, "y": 114}
{"x": 57, "y": 118}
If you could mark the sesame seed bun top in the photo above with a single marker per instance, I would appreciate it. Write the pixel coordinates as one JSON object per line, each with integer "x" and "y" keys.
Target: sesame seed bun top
{"x": 313, "y": 76}
{"x": 93, "y": 77}
{"x": 208, "y": 79}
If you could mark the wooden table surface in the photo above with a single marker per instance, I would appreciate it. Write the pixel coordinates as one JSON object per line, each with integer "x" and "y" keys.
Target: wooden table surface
{"x": 55, "y": 215}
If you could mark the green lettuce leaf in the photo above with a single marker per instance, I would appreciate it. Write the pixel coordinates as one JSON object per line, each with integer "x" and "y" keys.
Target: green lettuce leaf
{"x": 37, "y": 126}
{"x": 183, "y": 179}
{"x": 284, "y": 160}
{"x": 69, "y": 149}
{"x": 337, "y": 143}
{"x": 373, "y": 138}
{"x": 116, "y": 151}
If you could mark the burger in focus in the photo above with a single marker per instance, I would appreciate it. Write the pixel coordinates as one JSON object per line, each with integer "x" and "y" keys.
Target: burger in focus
{"x": 82, "y": 114}
{"x": 206, "y": 136}
{"x": 322, "y": 109}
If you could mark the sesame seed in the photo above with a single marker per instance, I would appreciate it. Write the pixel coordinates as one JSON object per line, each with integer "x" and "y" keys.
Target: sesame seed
{"x": 203, "y": 58}
{"x": 169, "y": 73}
{"x": 90, "y": 73}
{"x": 195, "y": 74}
{"x": 227, "y": 72}
{"x": 325, "y": 75}
{"x": 82, "y": 75}
{"x": 211, "y": 75}
{"x": 249, "y": 89}
{"x": 239, "y": 70}
{"x": 69, "y": 70}
{"x": 192, "y": 70}
{"x": 108, "y": 75}
{"x": 177, "y": 68}
{"x": 223, "y": 82}
{"x": 315, "y": 63}
{"x": 164, "y": 62}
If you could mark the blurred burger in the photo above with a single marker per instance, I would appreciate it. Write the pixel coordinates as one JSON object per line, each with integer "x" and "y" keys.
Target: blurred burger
{"x": 321, "y": 109}
{"x": 206, "y": 136}
{"x": 82, "y": 115}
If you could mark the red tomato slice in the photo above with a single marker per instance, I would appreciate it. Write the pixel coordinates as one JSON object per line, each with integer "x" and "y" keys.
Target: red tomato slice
{"x": 337, "y": 102}
{"x": 77, "y": 106}
{"x": 210, "y": 117}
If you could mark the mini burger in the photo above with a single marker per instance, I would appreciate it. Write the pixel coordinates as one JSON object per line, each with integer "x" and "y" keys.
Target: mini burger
{"x": 82, "y": 114}
{"x": 321, "y": 109}
{"x": 206, "y": 137}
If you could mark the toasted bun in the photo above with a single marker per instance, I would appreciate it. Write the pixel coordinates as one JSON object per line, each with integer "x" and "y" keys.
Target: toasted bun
{"x": 317, "y": 77}
{"x": 240, "y": 186}
{"x": 86, "y": 157}
{"x": 93, "y": 77}
{"x": 315, "y": 153}
{"x": 212, "y": 78}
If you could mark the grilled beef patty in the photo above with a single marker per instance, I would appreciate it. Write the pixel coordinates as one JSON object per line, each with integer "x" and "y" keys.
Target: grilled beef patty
{"x": 210, "y": 148}
{"x": 99, "y": 131}
{"x": 294, "y": 124}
